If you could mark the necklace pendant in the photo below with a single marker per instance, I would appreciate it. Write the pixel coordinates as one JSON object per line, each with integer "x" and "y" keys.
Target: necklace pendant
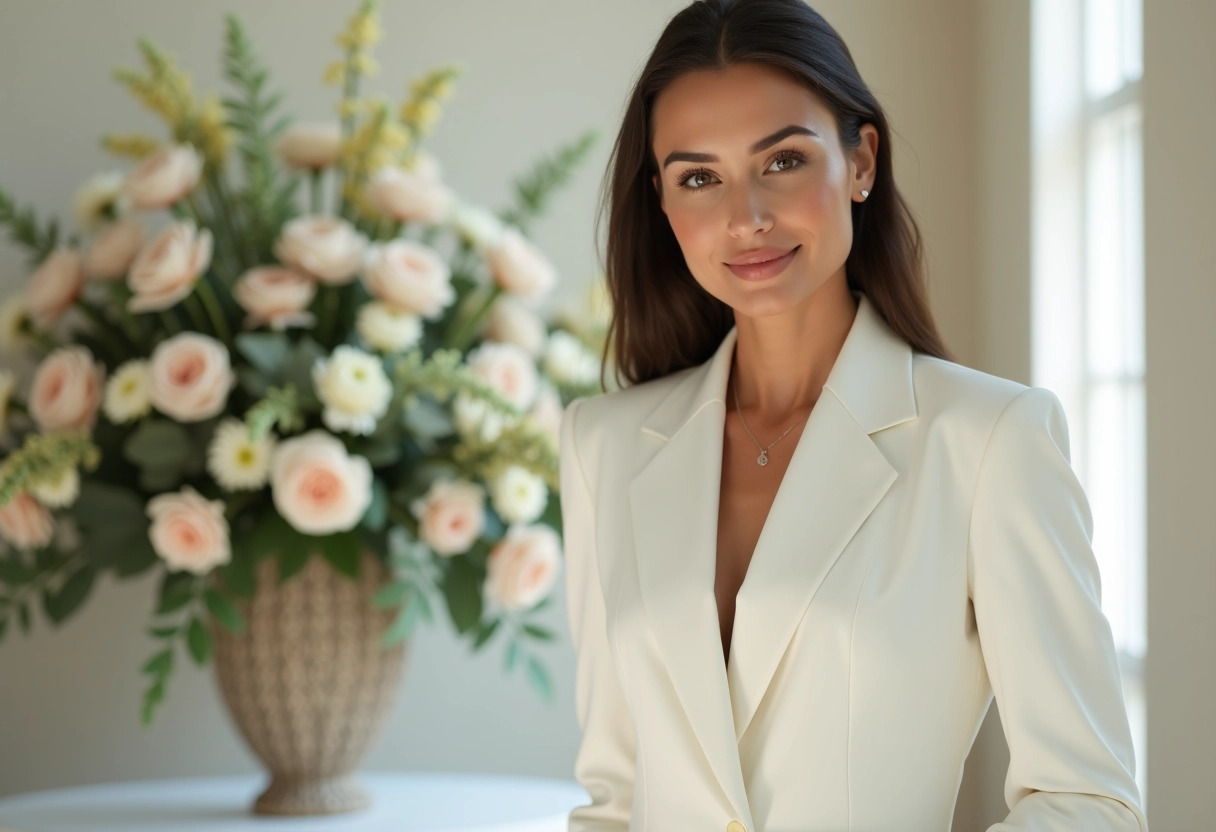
{"x": 762, "y": 459}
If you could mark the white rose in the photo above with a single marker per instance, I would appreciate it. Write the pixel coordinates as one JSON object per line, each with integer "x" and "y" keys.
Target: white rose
{"x": 451, "y": 516}
{"x": 508, "y": 369}
{"x": 407, "y": 196}
{"x": 479, "y": 227}
{"x": 191, "y": 376}
{"x": 409, "y": 276}
{"x": 518, "y": 494}
{"x": 328, "y": 248}
{"x": 474, "y": 417}
{"x": 189, "y": 531}
{"x": 26, "y": 523}
{"x": 523, "y": 566}
{"x": 310, "y": 146}
{"x": 97, "y": 200}
{"x": 387, "y": 329}
{"x": 66, "y": 391}
{"x": 510, "y": 322}
{"x": 354, "y": 388}
{"x": 568, "y": 361}
{"x": 113, "y": 251}
{"x": 519, "y": 267}
{"x": 168, "y": 266}
{"x": 163, "y": 178}
{"x": 54, "y": 287}
{"x": 317, "y": 486}
{"x": 277, "y": 296}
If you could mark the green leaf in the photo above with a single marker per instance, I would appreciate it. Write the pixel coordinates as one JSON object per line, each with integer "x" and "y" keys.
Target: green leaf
{"x": 239, "y": 576}
{"x": 292, "y": 560}
{"x": 160, "y": 664}
{"x": 512, "y": 653}
{"x": 199, "y": 641}
{"x": 153, "y": 696}
{"x": 223, "y": 611}
{"x": 538, "y": 675}
{"x": 376, "y": 515}
{"x": 267, "y": 351}
{"x": 485, "y": 632}
{"x": 391, "y": 594}
{"x": 344, "y": 551}
{"x": 135, "y": 557}
{"x": 462, "y": 587}
{"x": 427, "y": 418}
{"x": 158, "y": 444}
{"x": 174, "y": 599}
{"x": 297, "y": 370}
{"x": 3, "y": 627}
{"x": 538, "y": 632}
{"x": 73, "y": 592}
{"x": 402, "y": 626}
{"x": 15, "y": 573}
{"x": 163, "y": 632}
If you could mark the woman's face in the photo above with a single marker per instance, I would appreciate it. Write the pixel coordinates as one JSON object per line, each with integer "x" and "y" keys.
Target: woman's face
{"x": 747, "y": 192}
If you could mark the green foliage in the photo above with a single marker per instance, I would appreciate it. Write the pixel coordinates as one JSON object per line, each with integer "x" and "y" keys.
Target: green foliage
{"x": 43, "y": 456}
{"x": 533, "y": 190}
{"x": 25, "y": 229}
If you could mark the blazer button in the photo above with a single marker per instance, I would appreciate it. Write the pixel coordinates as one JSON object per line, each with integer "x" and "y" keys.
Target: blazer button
{"x": 735, "y": 826}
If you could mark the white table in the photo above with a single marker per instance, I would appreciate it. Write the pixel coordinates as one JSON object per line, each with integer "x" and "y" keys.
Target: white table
{"x": 401, "y": 802}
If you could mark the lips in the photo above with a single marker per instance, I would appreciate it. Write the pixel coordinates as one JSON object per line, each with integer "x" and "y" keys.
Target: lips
{"x": 761, "y": 255}
{"x": 771, "y": 263}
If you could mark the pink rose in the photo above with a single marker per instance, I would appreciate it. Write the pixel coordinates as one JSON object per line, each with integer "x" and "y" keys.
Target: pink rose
{"x": 508, "y": 369}
{"x": 327, "y": 248}
{"x": 113, "y": 250}
{"x": 54, "y": 287}
{"x": 26, "y": 523}
{"x": 519, "y": 267}
{"x": 167, "y": 267}
{"x": 451, "y": 515}
{"x": 410, "y": 277}
{"x": 66, "y": 390}
{"x": 190, "y": 376}
{"x": 511, "y": 322}
{"x": 275, "y": 295}
{"x": 317, "y": 486}
{"x": 310, "y": 146}
{"x": 189, "y": 531}
{"x": 522, "y": 567}
{"x": 163, "y": 178}
{"x": 408, "y": 196}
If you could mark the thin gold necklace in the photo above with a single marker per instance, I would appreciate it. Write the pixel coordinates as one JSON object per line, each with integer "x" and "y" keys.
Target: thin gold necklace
{"x": 761, "y": 460}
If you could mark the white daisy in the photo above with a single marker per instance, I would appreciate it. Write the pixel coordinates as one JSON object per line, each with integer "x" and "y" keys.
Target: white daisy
{"x": 237, "y": 462}
{"x": 128, "y": 392}
{"x": 518, "y": 495}
{"x": 98, "y": 200}
{"x": 568, "y": 361}
{"x": 59, "y": 492}
{"x": 12, "y": 317}
{"x": 353, "y": 387}
{"x": 8, "y": 383}
{"x": 387, "y": 329}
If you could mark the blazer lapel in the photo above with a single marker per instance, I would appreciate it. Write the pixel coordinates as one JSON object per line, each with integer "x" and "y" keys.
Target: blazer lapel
{"x": 836, "y": 477}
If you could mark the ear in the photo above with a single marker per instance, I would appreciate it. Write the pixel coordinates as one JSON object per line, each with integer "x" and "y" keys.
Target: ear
{"x": 865, "y": 159}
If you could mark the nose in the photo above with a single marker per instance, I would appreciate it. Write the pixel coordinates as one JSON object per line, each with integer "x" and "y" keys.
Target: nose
{"x": 747, "y": 211}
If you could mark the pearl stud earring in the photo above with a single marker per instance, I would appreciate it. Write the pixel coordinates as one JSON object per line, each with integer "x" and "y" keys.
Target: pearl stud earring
{"x": 865, "y": 194}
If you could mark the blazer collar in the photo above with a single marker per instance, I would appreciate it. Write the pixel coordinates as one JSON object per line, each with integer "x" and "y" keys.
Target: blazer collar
{"x": 872, "y": 378}
{"x": 835, "y": 479}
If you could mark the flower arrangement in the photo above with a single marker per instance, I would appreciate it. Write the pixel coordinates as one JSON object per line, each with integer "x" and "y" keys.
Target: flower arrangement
{"x": 271, "y": 375}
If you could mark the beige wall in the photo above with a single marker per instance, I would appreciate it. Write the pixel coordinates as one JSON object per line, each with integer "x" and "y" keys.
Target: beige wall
{"x": 953, "y": 75}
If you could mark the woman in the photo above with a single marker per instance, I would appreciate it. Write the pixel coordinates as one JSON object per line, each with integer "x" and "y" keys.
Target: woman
{"x": 804, "y": 548}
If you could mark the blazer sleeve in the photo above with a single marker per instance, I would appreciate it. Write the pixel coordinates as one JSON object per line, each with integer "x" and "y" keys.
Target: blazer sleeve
{"x": 1046, "y": 643}
{"x": 604, "y": 764}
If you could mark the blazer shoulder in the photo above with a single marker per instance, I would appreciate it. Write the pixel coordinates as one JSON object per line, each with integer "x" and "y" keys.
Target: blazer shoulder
{"x": 620, "y": 413}
{"x": 947, "y": 388}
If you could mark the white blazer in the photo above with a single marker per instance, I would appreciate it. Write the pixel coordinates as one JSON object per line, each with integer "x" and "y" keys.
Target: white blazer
{"x": 929, "y": 546}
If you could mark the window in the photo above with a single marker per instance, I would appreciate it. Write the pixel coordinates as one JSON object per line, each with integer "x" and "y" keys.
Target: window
{"x": 1088, "y": 288}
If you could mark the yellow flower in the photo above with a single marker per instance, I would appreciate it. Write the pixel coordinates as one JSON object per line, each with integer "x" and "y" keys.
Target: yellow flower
{"x": 365, "y": 64}
{"x": 132, "y": 145}
{"x": 335, "y": 73}
{"x": 420, "y": 115}
{"x": 348, "y": 107}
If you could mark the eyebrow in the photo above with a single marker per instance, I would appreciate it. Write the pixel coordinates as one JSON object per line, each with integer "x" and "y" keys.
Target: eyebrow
{"x": 763, "y": 144}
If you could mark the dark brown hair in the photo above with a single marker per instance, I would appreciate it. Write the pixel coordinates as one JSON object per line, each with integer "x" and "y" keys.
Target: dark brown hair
{"x": 662, "y": 319}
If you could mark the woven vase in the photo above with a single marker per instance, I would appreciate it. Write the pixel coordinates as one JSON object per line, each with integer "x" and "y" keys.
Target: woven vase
{"x": 308, "y": 684}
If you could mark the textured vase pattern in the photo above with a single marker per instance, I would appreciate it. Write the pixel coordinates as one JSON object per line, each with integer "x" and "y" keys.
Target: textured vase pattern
{"x": 308, "y": 684}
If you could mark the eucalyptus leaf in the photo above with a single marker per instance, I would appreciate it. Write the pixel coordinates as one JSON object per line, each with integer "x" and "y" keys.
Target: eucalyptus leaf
{"x": 267, "y": 351}
{"x": 223, "y": 611}
{"x": 158, "y": 443}
{"x": 199, "y": 641}
{"x": 538, "y": 675}
{"x": 462, "y": 587}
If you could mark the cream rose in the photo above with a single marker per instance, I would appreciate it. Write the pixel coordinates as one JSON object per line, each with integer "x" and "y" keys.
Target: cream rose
{"x": 276, "y": 296}
{"x": 523, "y": 566}
{"x": 409, "y": 196}
{"x": 410, "y": 277}
{"x": 168, "y": 266}
{"x": 310, "y": 146}
{"x": 327, "y": 248}
{"x": 451, "y": 516}
{"x": 163, "y": 178}
{"x": 519, "y": 267}
{"x": 511, "y": 322}
{"x": 65, "y": 393}
{"x": 113, "y": 251}
{"x": 190, "y": 377}
{"x": 26, "y": 523}
{"x": 546, "y": 414}
{"x": 54, "y": 287}
{"x": 508, "y": 369}
{"x": 189, "y": 531}
{"x": 317, "y": 486}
